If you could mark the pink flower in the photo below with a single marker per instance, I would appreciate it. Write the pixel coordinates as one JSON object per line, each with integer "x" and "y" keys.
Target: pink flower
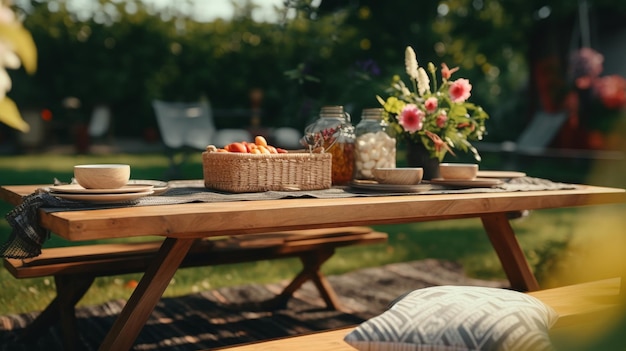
{"x": 446, "y": 72}
{"x": 465, "y": 125}
{"x": 431, "y": 104}
{"x": 441, "y": 120}
{"x": 460, "y": 90}
{"x": 585, "y": 65}
{"x": 411, "y": 118}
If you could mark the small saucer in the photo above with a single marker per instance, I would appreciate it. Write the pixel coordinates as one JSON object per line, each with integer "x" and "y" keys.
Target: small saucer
{"x": 467, "y": 183}
{"x": 104, "y": 198}
{"x": 159, "y": 186}
{"x": 500, "y": 174}
{"x": 77, "y": 189}
{"x": 398, "y": 188}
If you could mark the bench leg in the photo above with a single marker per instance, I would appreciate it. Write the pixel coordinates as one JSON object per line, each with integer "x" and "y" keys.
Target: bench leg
{"x": 69, "y": 289}
{"x": 311, "y": 263}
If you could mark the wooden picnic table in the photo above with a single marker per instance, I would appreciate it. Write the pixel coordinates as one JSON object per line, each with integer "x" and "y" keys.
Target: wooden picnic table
{"x": 181, "y": 224}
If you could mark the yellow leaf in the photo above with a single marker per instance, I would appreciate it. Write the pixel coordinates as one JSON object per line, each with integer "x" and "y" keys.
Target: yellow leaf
{"x": 22, "y": 42}
{"x": 10, "y": 115}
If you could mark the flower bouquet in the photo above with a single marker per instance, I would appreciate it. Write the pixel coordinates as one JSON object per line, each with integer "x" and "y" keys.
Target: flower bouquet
{"x": 438, "y": 116}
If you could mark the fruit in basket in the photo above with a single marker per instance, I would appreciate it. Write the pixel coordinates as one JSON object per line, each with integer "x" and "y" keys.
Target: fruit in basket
{"x": 259, "y": 146}
{"x": 260, "y": 140}
{"x": 236, "y": 147}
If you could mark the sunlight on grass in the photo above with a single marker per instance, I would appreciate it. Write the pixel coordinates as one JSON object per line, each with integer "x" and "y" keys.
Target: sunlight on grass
{"x": 42, "y": 169}
{"x": 61, "y": 163}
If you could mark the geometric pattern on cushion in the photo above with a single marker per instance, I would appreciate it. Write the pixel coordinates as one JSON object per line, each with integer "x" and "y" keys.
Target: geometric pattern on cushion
{"x": 455, "y": 318}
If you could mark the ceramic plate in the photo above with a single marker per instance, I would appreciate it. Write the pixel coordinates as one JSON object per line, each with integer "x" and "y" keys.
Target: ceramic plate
{"x": 500, "y": 174}
{"x": 77, "y": 189}
{"x": 470, "y": 183}
{"x": 159, "y": 186}
{"x": 104, "y": 198}
{"x": 373, "y": 185}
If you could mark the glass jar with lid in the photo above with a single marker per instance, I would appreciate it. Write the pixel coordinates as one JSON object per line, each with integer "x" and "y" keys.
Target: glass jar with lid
{"x": 374, "y": 146}
{"x": 332, "y": 132}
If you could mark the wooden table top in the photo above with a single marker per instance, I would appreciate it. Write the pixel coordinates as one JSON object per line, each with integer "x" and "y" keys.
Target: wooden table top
{"x": 246, "y": 217}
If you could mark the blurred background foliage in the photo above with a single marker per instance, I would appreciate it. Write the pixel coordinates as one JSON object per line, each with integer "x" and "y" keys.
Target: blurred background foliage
{"x": 126, "y": 53}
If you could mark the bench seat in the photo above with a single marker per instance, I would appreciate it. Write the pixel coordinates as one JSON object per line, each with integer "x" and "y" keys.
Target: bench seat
{"x": 75, "y": 268}
{"x": 575, "y": 304}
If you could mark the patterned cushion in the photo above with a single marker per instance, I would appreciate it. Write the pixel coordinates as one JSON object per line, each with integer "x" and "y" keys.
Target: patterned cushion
{"x": 458, "y": 318}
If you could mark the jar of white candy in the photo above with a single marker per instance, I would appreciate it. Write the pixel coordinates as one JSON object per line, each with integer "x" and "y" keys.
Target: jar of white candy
{"x": 374, "y": 147}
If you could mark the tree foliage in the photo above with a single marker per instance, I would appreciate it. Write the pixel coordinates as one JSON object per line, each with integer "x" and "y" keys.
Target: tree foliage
{"x": 337, "y": 53}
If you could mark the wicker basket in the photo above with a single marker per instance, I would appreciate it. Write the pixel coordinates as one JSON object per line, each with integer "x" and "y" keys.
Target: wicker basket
{"x": 241, "y": 173}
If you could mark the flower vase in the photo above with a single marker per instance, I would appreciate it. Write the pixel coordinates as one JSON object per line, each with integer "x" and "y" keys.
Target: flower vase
{"x": 418, "y": 156}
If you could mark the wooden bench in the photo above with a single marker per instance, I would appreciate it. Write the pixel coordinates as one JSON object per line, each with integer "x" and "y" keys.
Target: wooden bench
{"x": 575, "y": 304}
{"x": 75, "y": 268}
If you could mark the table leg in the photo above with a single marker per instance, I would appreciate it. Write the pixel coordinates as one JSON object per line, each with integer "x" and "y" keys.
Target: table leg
{"x": 511, "y": 256}
{"x": 137, "y": 310}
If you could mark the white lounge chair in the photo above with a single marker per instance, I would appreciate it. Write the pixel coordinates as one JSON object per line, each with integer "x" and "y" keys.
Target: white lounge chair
{"x": 287, "y": 137}
{"x": 188, "y": 127}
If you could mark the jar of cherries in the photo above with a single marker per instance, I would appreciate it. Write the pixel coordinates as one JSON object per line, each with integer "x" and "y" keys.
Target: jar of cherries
{"x": 333, "y": 132}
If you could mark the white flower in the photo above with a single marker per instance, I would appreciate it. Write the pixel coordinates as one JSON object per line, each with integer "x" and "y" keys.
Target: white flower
{"x": 410, "y": 61}
{"x": 423, "y": 82}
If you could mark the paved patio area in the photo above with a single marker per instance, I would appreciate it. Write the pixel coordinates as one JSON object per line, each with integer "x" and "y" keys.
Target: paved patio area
{"x": 234, "y": 315}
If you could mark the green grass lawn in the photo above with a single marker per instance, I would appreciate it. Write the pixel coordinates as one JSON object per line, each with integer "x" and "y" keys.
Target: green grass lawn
{"x": 559, "y": 244}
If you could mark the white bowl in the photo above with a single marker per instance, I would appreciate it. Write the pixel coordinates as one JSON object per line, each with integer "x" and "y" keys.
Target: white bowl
{"x": 458, "y": 171}
{"x": 102, "y": 176}
{"x": 399, "y": 176}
